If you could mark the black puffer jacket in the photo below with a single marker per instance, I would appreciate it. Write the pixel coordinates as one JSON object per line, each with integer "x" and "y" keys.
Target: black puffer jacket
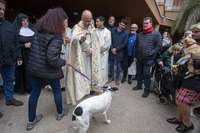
{"x": 44, "y": 59}
{"x": 148, "y": 45}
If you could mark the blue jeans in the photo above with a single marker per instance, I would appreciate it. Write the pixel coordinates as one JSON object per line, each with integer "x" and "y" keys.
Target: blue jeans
{"x": 144, "y": 73}
{"x": 112, "y": 62}
{"x": 37, "y": 85}
{"x": 7, "y": 72}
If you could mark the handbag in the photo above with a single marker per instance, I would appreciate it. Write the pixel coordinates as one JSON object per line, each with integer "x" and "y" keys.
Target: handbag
{"x": 132, "y": 69}
{"x": 177, "y": 78}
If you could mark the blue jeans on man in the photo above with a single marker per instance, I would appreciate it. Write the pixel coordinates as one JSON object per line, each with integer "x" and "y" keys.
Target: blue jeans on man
{"x": 118, "y": 63}
{"x": 144, "y": 73}
{"x": 37, "y": 85}
{"x": 7, "y": 72}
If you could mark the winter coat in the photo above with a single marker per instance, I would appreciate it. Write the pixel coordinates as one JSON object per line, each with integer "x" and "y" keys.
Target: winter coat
{"x": 148, "y": 45}
{"x": 119, "y": 41}
{"x": 44, "y": 58}
{"x": 166, "y": 59}
{"x": 9, "y": 49}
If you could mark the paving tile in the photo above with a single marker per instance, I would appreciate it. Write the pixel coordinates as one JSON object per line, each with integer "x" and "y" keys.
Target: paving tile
{"x": 129, "y": 113}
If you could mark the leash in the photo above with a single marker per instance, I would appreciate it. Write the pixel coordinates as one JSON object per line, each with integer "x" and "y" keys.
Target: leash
{"x": 85, "y": 76}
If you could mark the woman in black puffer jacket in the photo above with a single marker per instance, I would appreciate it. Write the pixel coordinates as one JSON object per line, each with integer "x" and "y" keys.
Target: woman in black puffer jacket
{"x": 189, "y": 92}
{"x": 45, "y": 63}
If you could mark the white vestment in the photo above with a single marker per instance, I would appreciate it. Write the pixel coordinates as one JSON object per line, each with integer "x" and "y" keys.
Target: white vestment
{"x": 104, "y": 37}
{"x": 64, "y": 55}
{"x": 78, "y": 85}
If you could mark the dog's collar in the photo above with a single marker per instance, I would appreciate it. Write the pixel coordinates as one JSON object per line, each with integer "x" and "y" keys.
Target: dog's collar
{"x": 188, "y": 45}
{"x": 104, "y": 88}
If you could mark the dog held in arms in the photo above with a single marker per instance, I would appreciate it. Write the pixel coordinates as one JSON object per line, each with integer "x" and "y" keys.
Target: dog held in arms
{"x": 88, "y": 107}
{"x": 191, "y": 50}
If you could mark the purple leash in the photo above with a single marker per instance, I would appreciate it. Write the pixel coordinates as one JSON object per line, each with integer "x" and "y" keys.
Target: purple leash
{"x": 84, "y": 75}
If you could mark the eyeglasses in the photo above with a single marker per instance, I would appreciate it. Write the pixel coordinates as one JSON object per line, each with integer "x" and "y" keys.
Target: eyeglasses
{"x": 134, "y": 27}
{"x": 24, "y": 19}
{"x": 195, "y": 31}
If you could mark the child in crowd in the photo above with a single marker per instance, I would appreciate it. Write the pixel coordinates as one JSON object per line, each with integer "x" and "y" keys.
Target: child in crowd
{"x": 167, "y": 61}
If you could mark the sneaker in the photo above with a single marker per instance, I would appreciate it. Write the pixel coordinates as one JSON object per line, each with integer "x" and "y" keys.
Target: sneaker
{"x": 173, "y": 121}
{"x": 64, "y": 112}
{"x": 1, "y": 115}
{"x": 123, "y": 80}
{"x": 14, "y": 102}
{"x": 129, "y": 82}
{"x": 117, "y": 82}
{"x": 145, "y": 94}
{"x": 137, "y": 88}
{"x": 31, "y": 125}
{"x": 110, "y": 80}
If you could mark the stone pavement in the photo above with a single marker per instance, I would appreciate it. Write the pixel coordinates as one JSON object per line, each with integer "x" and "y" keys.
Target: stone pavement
{"x": 129, "y": 113}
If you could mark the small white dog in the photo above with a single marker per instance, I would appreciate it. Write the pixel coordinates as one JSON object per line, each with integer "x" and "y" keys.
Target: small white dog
{"x": 88, "y": 107}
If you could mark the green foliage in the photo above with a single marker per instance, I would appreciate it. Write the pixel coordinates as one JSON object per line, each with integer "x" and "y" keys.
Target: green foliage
{"x": 189, "y": 14}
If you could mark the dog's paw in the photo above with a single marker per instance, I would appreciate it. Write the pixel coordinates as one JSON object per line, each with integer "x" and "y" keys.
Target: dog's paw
{"x": 108, "y": 121}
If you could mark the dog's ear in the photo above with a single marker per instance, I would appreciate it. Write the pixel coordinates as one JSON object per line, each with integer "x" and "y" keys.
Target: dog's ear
{"x": 187, "y": 40}
{"x": 114, "y": 89}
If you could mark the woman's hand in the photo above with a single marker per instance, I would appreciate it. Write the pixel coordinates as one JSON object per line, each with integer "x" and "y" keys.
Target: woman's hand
{"x": 27, "y": 45}
{"x": 161, "y": 63}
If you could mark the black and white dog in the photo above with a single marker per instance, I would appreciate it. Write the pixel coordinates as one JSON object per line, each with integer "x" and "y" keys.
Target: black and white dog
{"x": 88, "y": 107}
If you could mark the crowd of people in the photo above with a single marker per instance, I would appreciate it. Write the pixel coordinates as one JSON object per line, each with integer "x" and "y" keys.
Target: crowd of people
{"x": 84, "y": 59}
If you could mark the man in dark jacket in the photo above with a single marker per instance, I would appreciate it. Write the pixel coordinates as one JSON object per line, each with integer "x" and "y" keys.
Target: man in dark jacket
{"x": 111, "y": 23}
{"x": 149, "y": 43}
{"x": 9, "y": 55}
{"x": 119, "y": 40}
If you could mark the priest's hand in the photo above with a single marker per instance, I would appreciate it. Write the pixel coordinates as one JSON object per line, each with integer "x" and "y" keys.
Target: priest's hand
{"x": 89, "y": 52}
{"x": 82, "y": 39}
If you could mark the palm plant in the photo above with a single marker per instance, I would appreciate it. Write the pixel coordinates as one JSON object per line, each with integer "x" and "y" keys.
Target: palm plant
{"x": 189, "y": 14}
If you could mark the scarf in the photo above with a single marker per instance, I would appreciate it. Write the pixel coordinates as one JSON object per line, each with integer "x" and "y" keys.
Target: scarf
{"x": 150, "y": 29}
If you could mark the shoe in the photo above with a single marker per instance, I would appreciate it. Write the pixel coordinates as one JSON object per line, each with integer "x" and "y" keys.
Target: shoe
{"x": 137, "y": 88}
{"x": 135, "y": 78}
{"x": 183, "y": 128}
{"x": 92, "y": 92}
{"x": 129, "y": 82}
{"x": 173, "y": 121}
{"x": 64, "y": 112}
{"x": 63, "y": 89}
{"x": 31, "y": 125}
{"x": 1, "y": 115}
{"x": 123, "y": 80}
{"x": 14, "y": 102}
{"x": 1, "y": 89}
{"x": 110, "y": 80}
{"x": 145, "y": 94}
{"x": 117, "y": 82}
